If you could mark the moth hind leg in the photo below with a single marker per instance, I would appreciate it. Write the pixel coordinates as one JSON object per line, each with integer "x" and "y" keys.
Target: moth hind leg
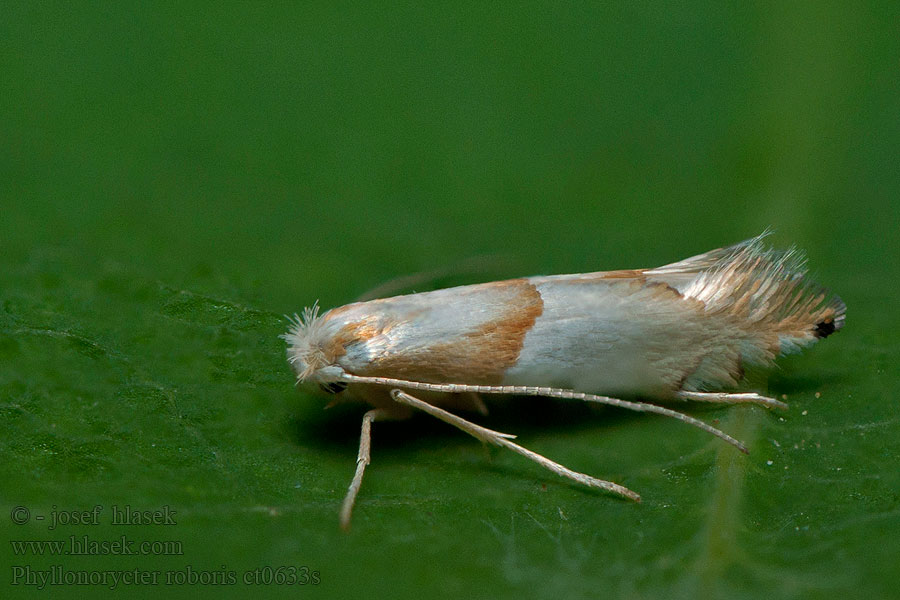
{"x": 731, "y": 398}
{"x": 504, "y": 439}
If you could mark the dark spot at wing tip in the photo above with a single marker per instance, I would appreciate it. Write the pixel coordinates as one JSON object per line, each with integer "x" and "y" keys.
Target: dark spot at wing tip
{"x": 825, "y": 328}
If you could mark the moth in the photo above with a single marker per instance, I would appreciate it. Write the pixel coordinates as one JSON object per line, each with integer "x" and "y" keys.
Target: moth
{"x": 629, "y": 338}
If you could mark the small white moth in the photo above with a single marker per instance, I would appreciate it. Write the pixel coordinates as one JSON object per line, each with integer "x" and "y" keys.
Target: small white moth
{"x": 676, "y": 332}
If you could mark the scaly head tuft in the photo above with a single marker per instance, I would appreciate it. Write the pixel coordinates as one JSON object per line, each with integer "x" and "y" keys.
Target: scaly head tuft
{"x": 305, "y": 339}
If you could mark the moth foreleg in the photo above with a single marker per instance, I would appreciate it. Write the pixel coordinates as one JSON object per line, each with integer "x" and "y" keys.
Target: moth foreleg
{"x": 504, "y": 439}
{"x": 362, "y": 460}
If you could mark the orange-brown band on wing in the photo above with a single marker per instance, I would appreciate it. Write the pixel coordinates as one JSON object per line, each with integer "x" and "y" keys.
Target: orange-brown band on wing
{"x": 622, "y": 274}
{"x": 477, "y": 356}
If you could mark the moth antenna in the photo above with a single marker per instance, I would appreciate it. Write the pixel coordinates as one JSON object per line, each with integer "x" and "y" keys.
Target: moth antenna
{"x": 548, "y": 392}
{"x": 477, "y": 265}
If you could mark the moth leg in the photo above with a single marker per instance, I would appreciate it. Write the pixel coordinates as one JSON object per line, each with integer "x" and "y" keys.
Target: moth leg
{"x": 725, "y": 398}
{"x": 503, "y": 439}
{"x": 362, "y": 460}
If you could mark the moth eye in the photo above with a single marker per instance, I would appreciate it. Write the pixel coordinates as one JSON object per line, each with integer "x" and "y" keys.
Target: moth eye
{"x": 333, "y": 387}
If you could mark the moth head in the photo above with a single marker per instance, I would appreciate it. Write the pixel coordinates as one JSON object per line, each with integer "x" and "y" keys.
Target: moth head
{"x": 308, "y": 350}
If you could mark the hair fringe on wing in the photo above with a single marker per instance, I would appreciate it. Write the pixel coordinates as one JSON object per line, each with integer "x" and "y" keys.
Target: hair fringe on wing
{"x": 769, "y": 291}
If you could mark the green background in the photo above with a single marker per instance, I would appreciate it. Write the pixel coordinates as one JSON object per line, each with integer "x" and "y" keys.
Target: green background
{"x": 175, "y": 179}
